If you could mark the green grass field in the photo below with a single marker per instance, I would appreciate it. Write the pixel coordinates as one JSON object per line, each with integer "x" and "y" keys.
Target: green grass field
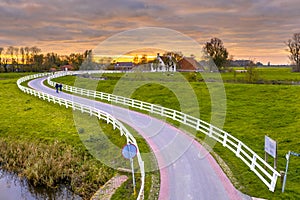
{"x": 39, "y": 141}
{"x": 268, "y": 75}
{"x": 253, "y": 111}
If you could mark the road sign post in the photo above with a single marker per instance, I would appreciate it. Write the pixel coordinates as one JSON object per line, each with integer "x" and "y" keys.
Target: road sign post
{"x": 129, "y": 151}
{"x": 287, "y": 156}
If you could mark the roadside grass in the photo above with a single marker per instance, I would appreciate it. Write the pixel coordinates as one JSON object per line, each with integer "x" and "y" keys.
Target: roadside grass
{"x": 39, "y": 141}
{"x": 106, "y": 146}
{"x": 253, "y": 111}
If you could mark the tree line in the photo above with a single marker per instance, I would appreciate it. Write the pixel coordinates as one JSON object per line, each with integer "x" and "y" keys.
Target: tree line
{"x": 30, "y": 59}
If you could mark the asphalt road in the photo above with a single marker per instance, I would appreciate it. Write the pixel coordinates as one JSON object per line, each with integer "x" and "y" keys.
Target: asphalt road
{"x": 187, "y": 170}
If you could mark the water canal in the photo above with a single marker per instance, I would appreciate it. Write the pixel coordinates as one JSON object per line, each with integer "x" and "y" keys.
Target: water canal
{"x": 13, "y": 187}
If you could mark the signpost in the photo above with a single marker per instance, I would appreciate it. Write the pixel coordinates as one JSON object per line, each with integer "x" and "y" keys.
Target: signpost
{"x": 271, "y": 149}
{"x": 129, "y": 151}
{"x": 287, "y": 156}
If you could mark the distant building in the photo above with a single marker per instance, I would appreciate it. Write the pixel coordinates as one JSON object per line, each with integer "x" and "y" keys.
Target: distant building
{"x": 189, "y": 64}
{"x": 240, "y": 63}
{"x": 67, "y": 68}
{"x": 124, "y": 65}
{"x": 164, "y": 63}
{"x": 259, "y": 64}
{"x": 52, "y": 69}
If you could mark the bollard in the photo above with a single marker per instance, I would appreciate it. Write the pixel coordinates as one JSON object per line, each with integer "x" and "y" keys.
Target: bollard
{"x": 281, "y": 177}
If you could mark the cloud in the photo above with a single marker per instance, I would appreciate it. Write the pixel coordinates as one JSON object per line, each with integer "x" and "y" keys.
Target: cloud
{"x": 259, "y": 25}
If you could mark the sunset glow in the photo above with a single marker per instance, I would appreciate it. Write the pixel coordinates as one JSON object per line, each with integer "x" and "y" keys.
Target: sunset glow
{"x": 249, "y": 29}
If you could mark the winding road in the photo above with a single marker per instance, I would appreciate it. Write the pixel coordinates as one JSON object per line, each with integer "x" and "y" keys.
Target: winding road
{"x": 187, "y": 170}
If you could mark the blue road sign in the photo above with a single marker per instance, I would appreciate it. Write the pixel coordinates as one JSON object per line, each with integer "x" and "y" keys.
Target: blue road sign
{"x": 129, "y": 151}
{"x": 295, "y": 154}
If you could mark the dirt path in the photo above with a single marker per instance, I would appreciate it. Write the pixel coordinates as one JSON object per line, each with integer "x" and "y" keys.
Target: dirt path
{"x": 107, "y": 190}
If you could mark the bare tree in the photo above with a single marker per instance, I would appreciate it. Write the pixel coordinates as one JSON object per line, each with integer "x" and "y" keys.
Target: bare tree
{"x": 22, "y": 51}
{"x": 251, "y": 75}
{"x": 1, "y": 50}
{"x": 16, "y": 59}
{"x": 143, "y": 59}
{"x": 10, "y": 51}
{"x": 88, "y": 62}
{"x": 35, "y": 58}
{"x": 294, "y": 50}
{"x": 136, "y": 59}
{"x": 27, "y": 55}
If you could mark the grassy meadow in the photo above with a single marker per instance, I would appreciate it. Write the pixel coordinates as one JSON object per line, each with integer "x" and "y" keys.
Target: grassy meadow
{"x": 252, "y": 111}
{"x": 269, "y": 75}
{"x": 39, "y": 141}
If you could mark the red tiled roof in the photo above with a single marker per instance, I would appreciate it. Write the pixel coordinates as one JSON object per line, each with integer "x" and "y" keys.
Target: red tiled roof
{"x": 189, "y": 64}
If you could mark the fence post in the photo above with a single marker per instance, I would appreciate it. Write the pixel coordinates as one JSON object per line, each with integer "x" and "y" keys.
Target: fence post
{"x": 114, "y": 125}
{"x": 253, "y": 163}
{"x": 174, "y": 115}
{"x": 107, "y": 119}
{"x": 273, "y": 182}
{"x": 141, "y": 105}
{"x": 210, "y": 130}
{"x": 238, "y": 149}
{"x": 162, "y": 111}
{"x": 225, "y": 139}
{"x": 198, "y": 125}
{"x": 184, "y": 118}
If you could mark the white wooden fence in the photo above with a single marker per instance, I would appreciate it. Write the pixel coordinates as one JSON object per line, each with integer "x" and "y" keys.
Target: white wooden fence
{"x": 267, "y": 174}
{"x": 91, "y": 111}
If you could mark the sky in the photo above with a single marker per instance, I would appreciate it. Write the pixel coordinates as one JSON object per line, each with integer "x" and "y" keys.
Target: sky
{"x": 249, "y": 29}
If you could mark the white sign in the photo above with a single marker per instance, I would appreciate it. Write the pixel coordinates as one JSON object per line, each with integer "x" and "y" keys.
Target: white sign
{"x": 270, "y": 146}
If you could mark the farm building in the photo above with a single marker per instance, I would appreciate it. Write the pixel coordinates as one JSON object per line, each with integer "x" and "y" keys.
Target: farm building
{"x": 189, "y": 64}
{"x": 67, "y": 68}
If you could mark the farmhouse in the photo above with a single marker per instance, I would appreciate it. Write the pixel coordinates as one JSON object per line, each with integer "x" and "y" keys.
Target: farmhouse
{"x": 189, "y": 64}
{"x": 164, "y": 63}
{"x": 66, "y": 68}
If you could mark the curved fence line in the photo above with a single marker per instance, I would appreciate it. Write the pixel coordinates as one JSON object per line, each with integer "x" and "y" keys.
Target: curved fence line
{"x": 266, "y": 173}
{"x": 91, "y": 111}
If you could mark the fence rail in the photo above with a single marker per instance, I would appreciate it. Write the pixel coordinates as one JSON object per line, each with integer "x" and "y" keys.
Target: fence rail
{"x": 267, "y": 174}
{"x": 91, "y": 111}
